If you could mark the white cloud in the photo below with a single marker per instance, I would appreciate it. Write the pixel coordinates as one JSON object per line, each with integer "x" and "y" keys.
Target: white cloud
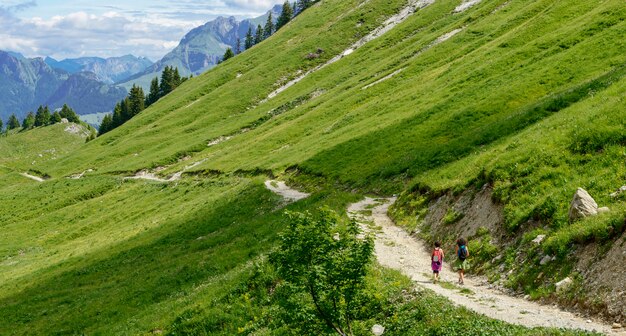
{"x": 70, "y": 28}
{"x": 108, "y": 34}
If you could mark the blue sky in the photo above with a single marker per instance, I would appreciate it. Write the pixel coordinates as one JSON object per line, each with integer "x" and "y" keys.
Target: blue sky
{"x": 76, "y": 28}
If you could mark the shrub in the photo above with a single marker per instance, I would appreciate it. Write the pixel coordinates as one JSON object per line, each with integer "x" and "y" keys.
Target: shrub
{"x": 327, "y": 261}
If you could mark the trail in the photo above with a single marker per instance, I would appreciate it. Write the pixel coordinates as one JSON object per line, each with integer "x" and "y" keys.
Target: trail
{"x": 32, "y": 177}
{"x": 397, "y": 250}
{"x": 394, "y": 248}
{"x": 152, "y": 176}
{"x": 390, "y": 23}
{"x": 280, "y": 188}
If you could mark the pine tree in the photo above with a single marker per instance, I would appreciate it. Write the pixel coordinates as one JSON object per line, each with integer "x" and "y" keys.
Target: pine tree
{"x": 167, "y": 84}
{"x": 269, "y": 27}
{"x": 176, "y": 80}
{"x": 13, "y": 123}
{"x": 304, "y": 4}
{"x": 258, "y": 37}
{"x": 42, "y": 118}
{"x": 55, "y": 118}
{"x": 285, "y": 15}
{"x": 238, "y": 47}
{"x": 153, "y": 96}
{"x": 249, "y": 41}
{"x": 29, "y": 121}
{"x": 117, "y": 118}
{"x": 136, "y": 101}
{"x": 228, "y": 54}
{"x": 125, "y": 110}
{"x": 69, "y": 114}
{"x": 106, "y": 124}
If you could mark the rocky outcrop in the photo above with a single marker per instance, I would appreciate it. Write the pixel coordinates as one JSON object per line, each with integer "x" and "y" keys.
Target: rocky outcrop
{"x": 583, "y": 205}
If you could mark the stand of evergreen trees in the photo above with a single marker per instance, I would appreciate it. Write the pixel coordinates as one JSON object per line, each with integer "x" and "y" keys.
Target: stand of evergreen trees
{"x": 137, "y": 101}
{"x": 41, "y": 118}
{"x": 289, "y": 11}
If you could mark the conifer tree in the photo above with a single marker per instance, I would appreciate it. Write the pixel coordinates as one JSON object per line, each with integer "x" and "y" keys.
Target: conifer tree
{"x": 136, "y": 101}
{"x": 167, "y": 81}
{"x": 268, "y": 30}
{"x": 13, "y": 123}
{"x": 55, "y": 118}
{"x": 117, "y": 118}
{"x": 228, "y": 54}
{"x": 153, "y": 96}
{"x": 125, "y": 110}
{"x": 285, "y": 15}
{"x": 238, "y": 46}
{"x": 69, "y": 114}
{"x": 304, "y": 4}
{"x": 106, "y": 124}
{"x": 42, "y": 118}
{"x": 29, "y": 121}
{"x": 176, "y": 80}
{"x": 249, "y": 41}
{"x": 258, "y": 36}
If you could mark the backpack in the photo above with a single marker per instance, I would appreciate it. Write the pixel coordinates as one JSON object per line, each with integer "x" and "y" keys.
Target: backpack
{"x": 462, "y": 252}
{"x": 436, "y": 257}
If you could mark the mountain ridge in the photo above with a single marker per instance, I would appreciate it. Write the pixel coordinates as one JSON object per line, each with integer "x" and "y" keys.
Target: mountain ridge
{"x": 28, "y": 83}
{"x": 202, "y": 47}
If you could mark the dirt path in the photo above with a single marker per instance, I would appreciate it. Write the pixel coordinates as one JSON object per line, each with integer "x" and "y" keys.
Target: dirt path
{"x": 32, "y": 177}
{"x": 152, "y": 175}
{"x": 411, "y": 7}
{"x": 396, "y": 249}
{"x": 280, "y": 188}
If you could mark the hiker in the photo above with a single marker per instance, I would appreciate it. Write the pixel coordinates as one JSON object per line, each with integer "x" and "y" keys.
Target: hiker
{"x": 462, "y": 254}
{"x": 436, "y": 259}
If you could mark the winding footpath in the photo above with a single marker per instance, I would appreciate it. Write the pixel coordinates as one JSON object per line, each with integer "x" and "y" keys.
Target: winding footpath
{"x": 32, "y": 177}
{"x": 396, "y": 249}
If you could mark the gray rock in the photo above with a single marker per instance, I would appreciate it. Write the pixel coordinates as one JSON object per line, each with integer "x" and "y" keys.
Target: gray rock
{"x": 603, "y": 210}
{"x": 377, "y": 329}
{"x": 583, "y": 205}
{"x": 539, "y": 239}
{"x": 617, "y": 326}
{"x": 564, "y": 284}
{"x": 619, "y": 191}
{"x": 545, "y": 260}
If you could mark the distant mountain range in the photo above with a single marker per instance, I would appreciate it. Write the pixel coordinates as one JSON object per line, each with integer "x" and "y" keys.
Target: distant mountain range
{"x": 92, "y": 85}
{"x": 203, "y": 47}
{"x": 109, "y": 70}
{"x": 26, "y": 83}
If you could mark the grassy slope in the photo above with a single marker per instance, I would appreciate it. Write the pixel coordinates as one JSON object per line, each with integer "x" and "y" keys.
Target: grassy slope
{"x": 490, "y": 97}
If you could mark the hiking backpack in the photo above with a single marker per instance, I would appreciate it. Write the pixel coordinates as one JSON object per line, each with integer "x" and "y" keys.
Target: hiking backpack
{"x": 462, "y": 252}
{"x": 437, "y": 256}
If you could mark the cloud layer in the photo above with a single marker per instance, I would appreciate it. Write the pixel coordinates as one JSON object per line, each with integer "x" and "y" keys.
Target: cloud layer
{"x": 143, "y": 28}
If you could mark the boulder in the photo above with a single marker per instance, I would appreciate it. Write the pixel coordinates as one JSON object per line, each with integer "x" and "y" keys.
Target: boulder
{"x": 539, "y": 239}
{"x": 545, "y": 260}
{"x": 583, "y": 205}
{"x": 377, "y": 329}
{"x": 563, "y": 284}
{"x": 619, "y": 191}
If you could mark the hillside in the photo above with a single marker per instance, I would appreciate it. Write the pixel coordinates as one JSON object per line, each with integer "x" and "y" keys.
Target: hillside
{"x": 483, "y": 116}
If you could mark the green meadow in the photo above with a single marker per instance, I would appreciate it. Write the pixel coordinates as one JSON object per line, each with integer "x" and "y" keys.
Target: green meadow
{"x": 527, "y": 96}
